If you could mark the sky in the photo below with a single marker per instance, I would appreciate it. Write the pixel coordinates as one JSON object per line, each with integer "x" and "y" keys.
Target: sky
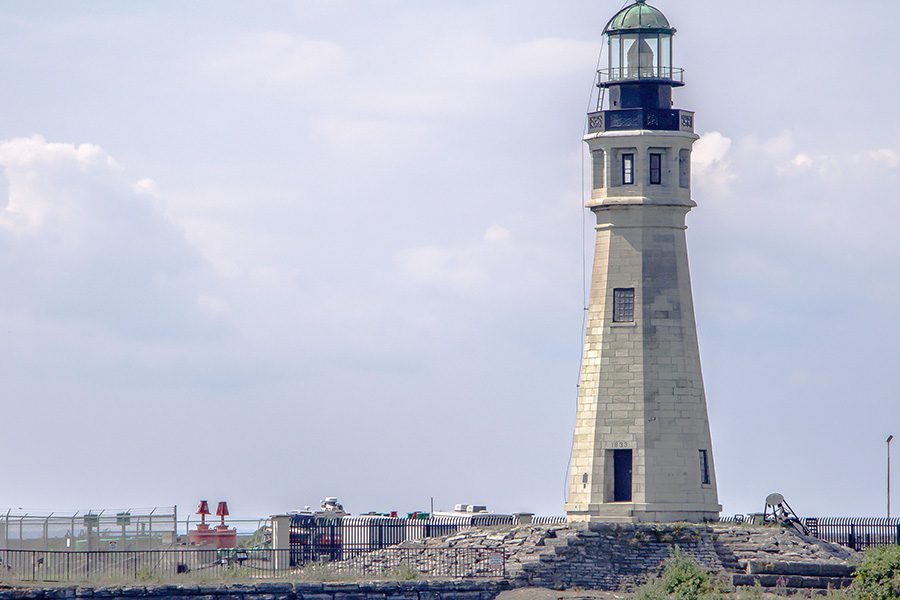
{"x": 271, "y": 252}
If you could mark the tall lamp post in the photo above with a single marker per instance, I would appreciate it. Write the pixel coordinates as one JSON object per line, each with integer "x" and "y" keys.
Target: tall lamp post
{"x": 889, "y": 440}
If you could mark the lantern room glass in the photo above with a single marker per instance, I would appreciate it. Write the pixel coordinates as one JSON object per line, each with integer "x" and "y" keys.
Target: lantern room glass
{"x": 665, "y": 56}
{"x": 640, "y": 56}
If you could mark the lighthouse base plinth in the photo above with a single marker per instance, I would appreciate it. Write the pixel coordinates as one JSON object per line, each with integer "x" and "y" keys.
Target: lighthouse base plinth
{"x": 631, "y": 512}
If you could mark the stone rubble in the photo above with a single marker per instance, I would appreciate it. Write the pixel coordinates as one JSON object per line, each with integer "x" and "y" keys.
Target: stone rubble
{"x": 606, "y": 556}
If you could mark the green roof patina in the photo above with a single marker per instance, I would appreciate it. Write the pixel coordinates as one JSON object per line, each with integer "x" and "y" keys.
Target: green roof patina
{"x": 637, "y": 17}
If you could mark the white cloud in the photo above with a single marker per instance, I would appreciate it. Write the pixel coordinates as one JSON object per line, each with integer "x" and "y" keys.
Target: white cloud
{"x": 451, "y": 73}
{"x": 82, "y": 243}
{"x": 886, "y": 156}
{"x": 34, "y": 151}
{"x": 710, "y": 151}
{"x": 146, "y": 186}
{"x": 29, "y": 205}
{"x": 496, "y": 267}
{"x": 496, "y": 234}
{"x": 476, "y": 60}
{"x": 839, "y": 165}
{"x": 796, "y": 197}
{"x": 711, "y": 164}
{"x": 456, "y": 269}
{"x": 274, "y": 59}
{"x": 378, "y": 140}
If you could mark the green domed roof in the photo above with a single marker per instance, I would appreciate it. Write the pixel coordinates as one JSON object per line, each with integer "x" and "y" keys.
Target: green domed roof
{"x": 638, "y": 16}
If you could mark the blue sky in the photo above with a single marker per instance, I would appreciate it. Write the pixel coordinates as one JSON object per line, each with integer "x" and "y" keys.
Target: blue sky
{"x": 268, "y": 252}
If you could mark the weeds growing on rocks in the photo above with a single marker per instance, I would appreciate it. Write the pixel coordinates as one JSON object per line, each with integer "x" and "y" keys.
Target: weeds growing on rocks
{"x": 878, "y": 575}
{"x": 682, "y": 579}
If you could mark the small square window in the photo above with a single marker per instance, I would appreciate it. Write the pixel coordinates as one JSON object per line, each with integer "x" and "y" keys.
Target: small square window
{"x": 627, "y": 169}
{"x": 655, "y": 169}
{"x": 704, "y": 467}
{"x": 623, "y": 305}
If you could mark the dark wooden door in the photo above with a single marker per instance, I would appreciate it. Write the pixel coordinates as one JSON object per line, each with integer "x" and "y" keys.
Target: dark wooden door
{"x": 622, "y": 465}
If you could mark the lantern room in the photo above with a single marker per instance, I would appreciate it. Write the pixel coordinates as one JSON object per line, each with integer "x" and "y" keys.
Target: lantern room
{"x": 640, "y": 72}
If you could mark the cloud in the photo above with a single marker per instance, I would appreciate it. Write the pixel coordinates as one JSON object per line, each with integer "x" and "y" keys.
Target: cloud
{"x": 449, "y": 73}
{"x": 145, "y": 186}
{"x": 463, "y": 270}
{"x": 380, "y": 140}
{"x": 477, "y": 60}
{"x": 794, "y": 214}
{"x": 711, "y": 164}
{"x": 840, "y": 165}
{"x": 494, "y": 268}
{"x": 30, "y": 207}
{"x": 81, "y": 243}
{"x": 274, "y": 59}
{"x": 496, "y": 234}
{"x": 710, "y": 151}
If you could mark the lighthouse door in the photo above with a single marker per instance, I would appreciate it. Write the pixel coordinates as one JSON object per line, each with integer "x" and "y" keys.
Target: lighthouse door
{"x": 622, "y": 461}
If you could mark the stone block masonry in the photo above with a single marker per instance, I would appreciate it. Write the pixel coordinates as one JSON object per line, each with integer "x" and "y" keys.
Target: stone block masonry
{"x": 616, "y": 556}
{"x": 641, "y": 450}
{"x": 411, "y": 590}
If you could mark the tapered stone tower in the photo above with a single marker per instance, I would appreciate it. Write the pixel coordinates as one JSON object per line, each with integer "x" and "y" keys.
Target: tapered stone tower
{"x": 642, "y": 449}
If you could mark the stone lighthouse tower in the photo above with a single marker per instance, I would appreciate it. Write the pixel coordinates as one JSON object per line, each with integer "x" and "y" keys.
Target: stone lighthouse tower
{"x": 642, "y": 449}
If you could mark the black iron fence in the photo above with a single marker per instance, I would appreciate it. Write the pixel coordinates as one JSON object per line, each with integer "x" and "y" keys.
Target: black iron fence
{"x": 858, "y": 533}
{"x": 317, "y": 539}
{"x": 112, "y": 567}
{"x": 617, "y": 74}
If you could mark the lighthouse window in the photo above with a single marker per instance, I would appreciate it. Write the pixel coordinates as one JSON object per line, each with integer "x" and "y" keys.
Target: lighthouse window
{"x": 655, "y": 169}
{"x": 627, "y": 169}
{"x": 704, "y": 467}
{"x": 623, "y": 305}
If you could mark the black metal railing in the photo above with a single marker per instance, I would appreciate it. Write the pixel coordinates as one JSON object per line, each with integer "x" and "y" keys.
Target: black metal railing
{"x": 627, "y": 74}
{"x": 550, "y": 520}
{"x": 856, "y": 533}
{"x": 112, "y": 566}
{"x": 316, "y": 539}
{"x": 643, "y": 118}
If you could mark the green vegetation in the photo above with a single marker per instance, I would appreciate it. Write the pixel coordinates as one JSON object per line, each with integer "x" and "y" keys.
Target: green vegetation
{"x": 877, "y": 578}
{"x": 878, "y": 575}
{"x": 327, "y": 572}
{"x": 682, "y": 579}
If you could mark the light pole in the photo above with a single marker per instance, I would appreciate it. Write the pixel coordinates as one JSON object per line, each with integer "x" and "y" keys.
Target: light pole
{"x": 889, "y": 440}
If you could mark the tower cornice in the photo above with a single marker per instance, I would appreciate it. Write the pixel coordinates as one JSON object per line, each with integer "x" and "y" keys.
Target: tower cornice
{"x": 612, "y": 203}
{"x": 612, "y": 135}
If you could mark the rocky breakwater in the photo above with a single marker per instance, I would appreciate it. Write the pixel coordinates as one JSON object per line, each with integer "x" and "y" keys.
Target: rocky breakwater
{"x": 777, "y": 558}
{"x": 404, "y": 590}
{"x": 608, "y": 556}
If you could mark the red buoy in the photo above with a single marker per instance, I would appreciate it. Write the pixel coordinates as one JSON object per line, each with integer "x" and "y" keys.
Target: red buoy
{"x": 222, "y": 536}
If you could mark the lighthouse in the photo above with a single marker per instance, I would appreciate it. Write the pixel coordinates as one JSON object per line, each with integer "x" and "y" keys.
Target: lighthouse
{"x": 642, "y": 449}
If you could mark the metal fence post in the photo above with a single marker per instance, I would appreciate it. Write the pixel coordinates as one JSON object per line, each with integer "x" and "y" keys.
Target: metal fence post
{"x": 6, "y": 531}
